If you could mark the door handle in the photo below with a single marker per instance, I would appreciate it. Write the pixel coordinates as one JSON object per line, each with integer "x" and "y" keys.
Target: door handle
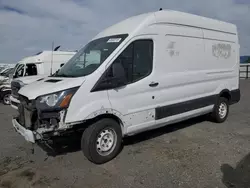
{"x": 153, "y": 84}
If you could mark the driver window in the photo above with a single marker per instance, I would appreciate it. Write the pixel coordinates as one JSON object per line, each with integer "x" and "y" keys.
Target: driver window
{"x": 137, "y": 60}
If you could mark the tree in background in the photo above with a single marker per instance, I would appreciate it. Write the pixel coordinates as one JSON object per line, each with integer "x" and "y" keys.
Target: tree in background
{"x": 248, "y": 60}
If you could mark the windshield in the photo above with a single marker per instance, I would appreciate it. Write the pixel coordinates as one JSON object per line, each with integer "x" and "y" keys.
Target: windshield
{"x": 90, "y": 57}
{"x": 18, "y": 71}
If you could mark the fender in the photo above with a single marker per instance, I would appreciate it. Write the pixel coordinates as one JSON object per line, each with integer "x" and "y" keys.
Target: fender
{"x": 78, "y": 114}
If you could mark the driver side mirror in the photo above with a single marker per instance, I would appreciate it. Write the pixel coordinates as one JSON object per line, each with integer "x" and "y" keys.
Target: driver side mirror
{"x": 115, "y": 77}
{"x": 118, "y": 77}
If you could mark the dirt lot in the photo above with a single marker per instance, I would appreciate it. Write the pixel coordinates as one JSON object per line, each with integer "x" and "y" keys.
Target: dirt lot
{"x": 196, "y": 153}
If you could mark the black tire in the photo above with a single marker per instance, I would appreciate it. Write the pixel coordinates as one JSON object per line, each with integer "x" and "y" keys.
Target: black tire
{"x": 6, "y": 94}
{"x": 216, "y": 117}
{"x": 89, "y": 141}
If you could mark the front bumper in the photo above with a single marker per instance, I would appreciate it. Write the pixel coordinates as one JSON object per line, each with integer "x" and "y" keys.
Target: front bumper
{"x": 27, "y": 134}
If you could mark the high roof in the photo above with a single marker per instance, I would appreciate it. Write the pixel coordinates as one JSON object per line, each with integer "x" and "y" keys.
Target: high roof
{"x": 43, "y": 55}
{"x": 135, "y": 23}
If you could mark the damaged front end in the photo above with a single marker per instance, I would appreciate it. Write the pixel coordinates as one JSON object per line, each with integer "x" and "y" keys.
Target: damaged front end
{"x": 42, "y": 119}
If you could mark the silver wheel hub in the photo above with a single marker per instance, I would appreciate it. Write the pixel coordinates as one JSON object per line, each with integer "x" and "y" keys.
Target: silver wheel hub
{"x": 7, "y": 99}
{"x": 222, "y": 110}
{"x": 106, "y": 141}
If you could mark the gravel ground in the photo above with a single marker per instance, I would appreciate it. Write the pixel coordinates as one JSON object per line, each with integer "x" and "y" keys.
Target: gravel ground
{"x": 195, "y": 153}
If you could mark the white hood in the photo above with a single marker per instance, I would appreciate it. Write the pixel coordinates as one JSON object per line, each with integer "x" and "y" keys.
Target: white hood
{"x": 29, "y": 79}
{"x": 49, "y": 85}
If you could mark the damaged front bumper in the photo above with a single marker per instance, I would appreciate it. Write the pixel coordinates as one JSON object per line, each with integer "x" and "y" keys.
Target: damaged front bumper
{"x": 39, "y": 135}
{"x": 42, "y": 135}
{"x": 41, "y": 126}
{"x": 26, "y": 133}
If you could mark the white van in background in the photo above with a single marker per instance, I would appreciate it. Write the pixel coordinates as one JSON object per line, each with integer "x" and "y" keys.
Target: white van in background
{"x": 33, "y": 68}
{"x": 145, "y": 72}
{"x": 4, "y": 74}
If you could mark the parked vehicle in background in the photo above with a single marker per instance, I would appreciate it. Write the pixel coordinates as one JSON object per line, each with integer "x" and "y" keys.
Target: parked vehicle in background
{"x": 5, "y": 66}
{"x": 4, "y": 75}
{"x": 5, "y": 85}
{"x": 33, "y": 68}
{"x": 145, "y": 72}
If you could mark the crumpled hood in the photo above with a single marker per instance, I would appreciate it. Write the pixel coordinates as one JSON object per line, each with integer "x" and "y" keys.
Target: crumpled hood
{"x": 30, "y": 79}
{"x": 49, "y": 85}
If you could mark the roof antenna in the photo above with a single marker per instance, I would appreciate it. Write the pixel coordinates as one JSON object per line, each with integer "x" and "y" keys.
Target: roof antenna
{"x": 51, "y": 58}
{"x": 160, "y": 9}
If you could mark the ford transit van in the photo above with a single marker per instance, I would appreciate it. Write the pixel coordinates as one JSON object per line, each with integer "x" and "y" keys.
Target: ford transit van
{"x": 145, "y": 72}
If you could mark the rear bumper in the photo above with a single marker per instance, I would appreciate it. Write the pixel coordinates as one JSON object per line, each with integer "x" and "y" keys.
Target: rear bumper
{"x": 27, "y": 134}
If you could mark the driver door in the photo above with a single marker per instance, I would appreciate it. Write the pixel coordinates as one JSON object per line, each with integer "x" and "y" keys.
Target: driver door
{"x": 135, "y": 98}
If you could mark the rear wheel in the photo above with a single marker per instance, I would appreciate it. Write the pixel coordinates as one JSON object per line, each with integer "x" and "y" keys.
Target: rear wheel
{"x": 221, "y": 110}
{"x": 101, "y": 142}
{"x": 6, "y": 98}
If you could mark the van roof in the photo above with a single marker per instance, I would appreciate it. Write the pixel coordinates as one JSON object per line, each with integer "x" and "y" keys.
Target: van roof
{"x": 45, "y": 54}
{"x": 138, "y": 22}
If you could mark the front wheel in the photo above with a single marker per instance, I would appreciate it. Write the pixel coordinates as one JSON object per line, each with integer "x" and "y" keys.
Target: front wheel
{"x": 221, "y": 110}
{"x": 6, "y": 98}
{"x": 101, "y": 142}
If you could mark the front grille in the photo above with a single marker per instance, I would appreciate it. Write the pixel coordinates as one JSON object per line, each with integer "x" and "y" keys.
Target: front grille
{"x": 26, "y": 113}
{"x": 21, "y": 119}
{"x": 15, "y": 87}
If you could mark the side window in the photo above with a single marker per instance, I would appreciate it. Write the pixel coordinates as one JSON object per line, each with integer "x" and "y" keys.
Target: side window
{"x": 137, "y": 60}
{"x": 143, "y": 59}
{"x": 31, "y": 70}
{"x": 126, "y": 60}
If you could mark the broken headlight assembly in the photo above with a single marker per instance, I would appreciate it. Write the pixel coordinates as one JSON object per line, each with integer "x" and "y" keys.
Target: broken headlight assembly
{"x": 58, "y": 100}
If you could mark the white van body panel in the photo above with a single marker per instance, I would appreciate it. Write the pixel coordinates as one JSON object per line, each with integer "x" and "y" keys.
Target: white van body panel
{"x": 194, "y": 60}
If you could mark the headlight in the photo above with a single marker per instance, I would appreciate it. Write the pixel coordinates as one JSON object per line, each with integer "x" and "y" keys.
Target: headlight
{"x": 50, "y": 100}
{"x": 58, "y": 100}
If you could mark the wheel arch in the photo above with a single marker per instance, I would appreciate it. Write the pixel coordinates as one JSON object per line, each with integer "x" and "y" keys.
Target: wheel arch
{"x": 89, "y": 122}
{"x": 226, "y": 94}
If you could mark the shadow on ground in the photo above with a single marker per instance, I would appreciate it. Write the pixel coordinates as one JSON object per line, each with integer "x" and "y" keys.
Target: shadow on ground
{"x": 238, "y": 177}
{"x": 70, "y": 146}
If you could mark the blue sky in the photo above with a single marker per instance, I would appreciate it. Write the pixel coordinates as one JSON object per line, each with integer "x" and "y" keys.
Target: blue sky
{"x": 29, "y": 26}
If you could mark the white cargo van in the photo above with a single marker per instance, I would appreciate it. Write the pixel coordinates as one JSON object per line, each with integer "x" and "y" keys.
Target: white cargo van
{"x": 143, "y": 73}
{"x": 33, "y": 68}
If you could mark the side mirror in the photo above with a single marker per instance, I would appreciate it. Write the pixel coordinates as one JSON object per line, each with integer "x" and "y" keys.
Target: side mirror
{"x": 119, "y": 76}
{"x": 61, "y": 65}
{"x": 114, "y": 78}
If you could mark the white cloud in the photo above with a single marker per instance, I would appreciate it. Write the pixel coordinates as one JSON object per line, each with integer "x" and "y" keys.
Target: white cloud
{"x": 35, "y": 24}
